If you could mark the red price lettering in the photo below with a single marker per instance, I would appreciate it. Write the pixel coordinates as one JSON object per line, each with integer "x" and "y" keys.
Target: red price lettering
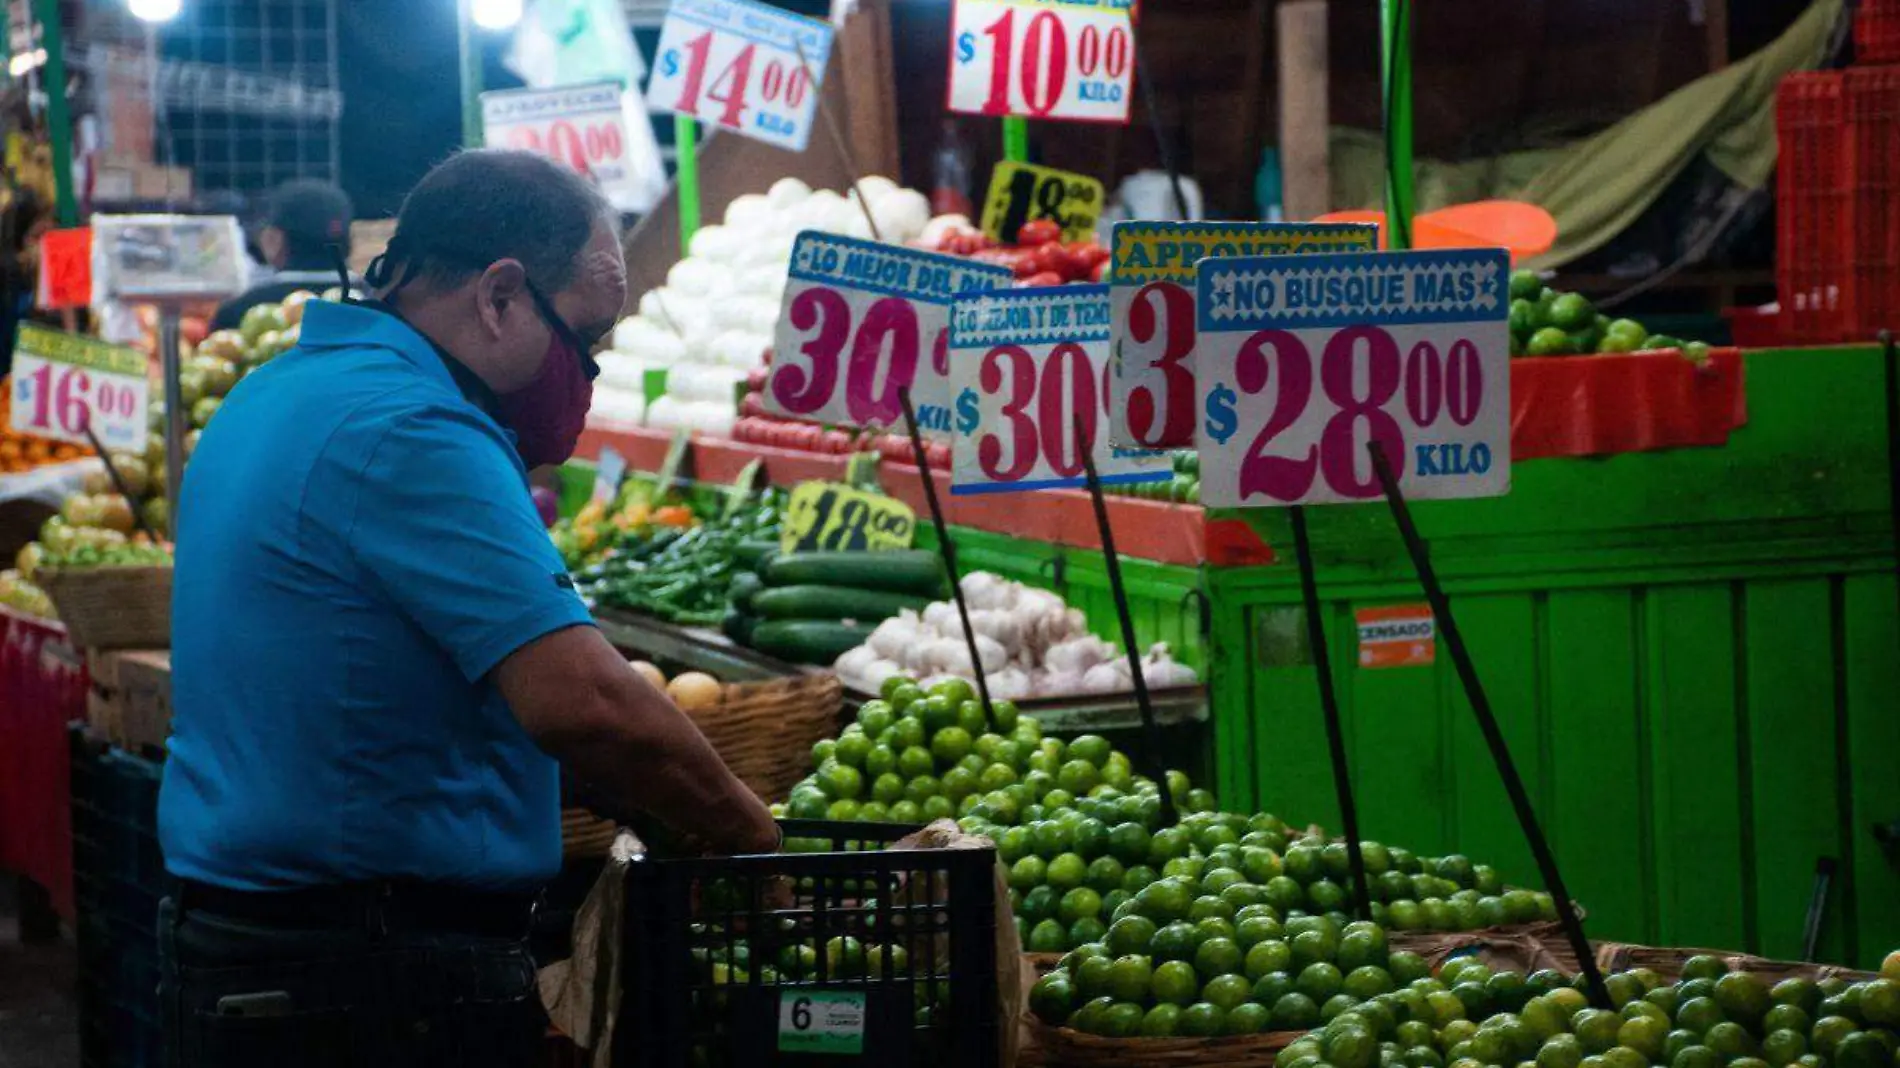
{"x": 1022, "y": 429}
{"x": 1065, "y": 394}
{"x": 870, "y": 396}
{"x": 1452, "y": 384}
{"x": 1070, "y": 362}
{"x": 822, "y": 310}
{"x": 1089, "y": 52}
{"x": 776, "y": 83}
{"x": 61, "y": 402}
{"x": 1162, "y": 316}
{"x": 728, "y": 88}
{"x": 894, "y": 319}
{"x": 581, "y": 150}
{"x": 1045, "y": 63}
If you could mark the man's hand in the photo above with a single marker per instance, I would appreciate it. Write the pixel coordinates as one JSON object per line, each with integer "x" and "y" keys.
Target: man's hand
{"x": 582, "y": 704}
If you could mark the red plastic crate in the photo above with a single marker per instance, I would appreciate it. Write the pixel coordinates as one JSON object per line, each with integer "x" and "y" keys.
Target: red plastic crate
{"x": 1873, "y": 127}
{"x": 1877, "y": 32}
{"x": 1812, "y": 203}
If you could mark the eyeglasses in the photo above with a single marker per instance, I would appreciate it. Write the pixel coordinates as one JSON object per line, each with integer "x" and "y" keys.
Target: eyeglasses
{"x": 566, "y": 333}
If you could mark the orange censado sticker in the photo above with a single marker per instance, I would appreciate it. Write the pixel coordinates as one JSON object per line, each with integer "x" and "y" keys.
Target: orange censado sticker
{"x": 1397, "y": 636}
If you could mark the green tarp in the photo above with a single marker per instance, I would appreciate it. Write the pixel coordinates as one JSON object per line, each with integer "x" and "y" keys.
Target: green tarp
{"x": 1596, "y": 187}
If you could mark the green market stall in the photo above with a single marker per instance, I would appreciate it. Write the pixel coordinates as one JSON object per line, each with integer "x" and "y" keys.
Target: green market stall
{"x": 1693, "y": 651}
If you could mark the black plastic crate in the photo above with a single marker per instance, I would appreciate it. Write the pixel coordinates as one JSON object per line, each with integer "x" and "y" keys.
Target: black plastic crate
{"x": 854, "y": 956}
{"x": 118, "y": 878}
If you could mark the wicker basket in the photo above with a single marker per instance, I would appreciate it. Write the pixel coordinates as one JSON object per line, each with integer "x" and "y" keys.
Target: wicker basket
{"x": 1668, "y": 962}
{"x": 113, "y": 607}
{"x": 584, "y": 834}
{"x": 765, "y": 730}
{"x": 1062, "y": 1047}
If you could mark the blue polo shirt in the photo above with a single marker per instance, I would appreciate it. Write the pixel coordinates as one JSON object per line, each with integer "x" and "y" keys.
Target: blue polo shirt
{"x": 357, "y": 550}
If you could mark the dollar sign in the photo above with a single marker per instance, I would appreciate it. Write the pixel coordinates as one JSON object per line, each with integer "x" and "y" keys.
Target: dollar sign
{"x": 966, "y": 411}
{"x": 1221, "y": 420}
{"x": 966, "y": 47}
{"x": 671, "y": 62}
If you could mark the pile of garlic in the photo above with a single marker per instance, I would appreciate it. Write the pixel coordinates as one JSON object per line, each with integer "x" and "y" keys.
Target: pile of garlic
{"x": 1031, "y": 643}
{"x": 713, "y": 320}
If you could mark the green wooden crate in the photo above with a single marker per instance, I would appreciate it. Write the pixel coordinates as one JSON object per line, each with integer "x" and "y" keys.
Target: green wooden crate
{"x": 1693, "y": 655}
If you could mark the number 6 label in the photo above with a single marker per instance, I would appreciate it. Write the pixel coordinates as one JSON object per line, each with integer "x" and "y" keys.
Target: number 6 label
{"x": 1304, "y": 360}
{"x": 1030, "y": 372}
{"x": 1152, "y": 324}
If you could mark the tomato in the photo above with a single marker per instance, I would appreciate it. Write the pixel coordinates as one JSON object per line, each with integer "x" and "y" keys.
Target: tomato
{"x": 755, "y": 378}
{"x": 1046, "y": 278}
{"x": 1100, "y": 272}
{"x": 834, "y": 441}
{"x": 1038, "y": 232}
{"x": 753, "y": 404}
{"x": 938, "y": 456}
{"x": 1088, "y": 254}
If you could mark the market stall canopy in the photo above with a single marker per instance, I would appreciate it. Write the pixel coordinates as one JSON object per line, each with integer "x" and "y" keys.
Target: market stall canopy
{"x": 1597, "y": 187}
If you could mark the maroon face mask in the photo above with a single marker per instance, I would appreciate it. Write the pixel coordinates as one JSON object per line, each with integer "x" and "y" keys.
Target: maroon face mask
{"x": 547, "y": 414}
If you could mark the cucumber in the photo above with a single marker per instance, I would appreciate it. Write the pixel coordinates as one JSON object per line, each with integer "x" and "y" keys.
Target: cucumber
{"x": 832, "y": 602}
{"x": 738, "y": 626}
{"x": 808, "y": 641}
{"x": 745, "y": 585}
{"x": 751, "y": 551}
{"x": 915, "y": 571}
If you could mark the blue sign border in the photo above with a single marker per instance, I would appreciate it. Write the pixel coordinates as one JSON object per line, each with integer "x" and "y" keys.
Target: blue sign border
{"x": 806, "y": 238}
{"x": 1492, "y": 303}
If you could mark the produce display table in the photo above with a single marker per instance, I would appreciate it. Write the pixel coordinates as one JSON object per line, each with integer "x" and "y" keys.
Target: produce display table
{"x": 42, "y": 688}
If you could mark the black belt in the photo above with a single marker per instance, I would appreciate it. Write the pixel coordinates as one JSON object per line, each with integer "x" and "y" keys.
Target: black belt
{"x": 377, "y": 907}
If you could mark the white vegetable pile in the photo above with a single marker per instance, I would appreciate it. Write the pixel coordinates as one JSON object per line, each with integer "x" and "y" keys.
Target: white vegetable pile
{"x": 1032, "y": 644}
{"x": 713, "y": 320}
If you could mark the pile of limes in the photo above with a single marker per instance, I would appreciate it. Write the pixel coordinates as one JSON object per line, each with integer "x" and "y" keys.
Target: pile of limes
{"x": 1472, "y": 1017}
{"x": 1410, "y": 892}
{"x": 1176, "y": 964}
{"x": 1545, "y": 322}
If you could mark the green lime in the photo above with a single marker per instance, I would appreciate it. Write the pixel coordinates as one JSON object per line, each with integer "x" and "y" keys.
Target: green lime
{"x": 1295, "y": 1012}
{"x": 1091, "y": 747}
{"x": 950, "y": 745}
{"x": 1319, "y": 980}
{"x": 1829, "y": 1032}
{"x": 1088, "y": 1018}
{"x": 1644, "y": 1035}
{"x": 970, "y": 717}
{"x": 1165, "y": 900}
{"x": 1168, "y": 844}
{"x": 1218, "y": 956}
{"x": 1066, "y": 871}
{"x": 1445, "y": 1007}
{"x": 1226, "y": 990}
{"x": 1039, "y": 903}
{"x": 1337, "y": 1005}
{"x": 1697, "y": 1057}
{"x": 1659, "y": 343}
{"x": 1248, "y": 1018}
{"x": 1139, "y": 876}
{"x": 843, "y": 810}
{"x": 1784, "y": 1047}
{"x": 1048, "y": 936}
{"x": 1256, "y": 929}
{"x": 1201, "y": 1020}
{"x": 1548, "y": 341}
{"x": 1407, "y": 967}
{"x": 922, "y": 788}
{"x": 1731, "y": 1040}
{"x": 1699, "y": 1014}
{"x": 1266, "y": 957}
{"x": 1862, "y": 1049}
{"x": 1091, "y": 838}
{"x": 1131, "y": 935}
{"x": 915, "y": 760}
{"x": 1744, "y": 997}
{"x": 1560, "y": 1051}
{"x": 1572, "y": 311}
{"x": 1268, "y": 989}
{"x": 1880, "y": 1003}
{"x": 1161, "y": 1021}
{"x": 1175, "y": 942}
{"x": 1526, "y": 285}
{"x": 1053, "y": 998}
{"x": 1802, "y": 993}
{"x": 1078, "y": 776}
{"x": 1078, "y": 903}
{"x": 1175, "y": 982}
{"x": 1367, "y": 982}
{"x": 1596, "y": 1029}
{"x": 1028, "y": 873}
{"x": 1105, "y": 874}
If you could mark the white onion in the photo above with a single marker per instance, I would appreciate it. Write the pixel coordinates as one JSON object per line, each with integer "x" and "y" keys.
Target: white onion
{"x": 751, "y": 212}
{"x": 787, "y": 191}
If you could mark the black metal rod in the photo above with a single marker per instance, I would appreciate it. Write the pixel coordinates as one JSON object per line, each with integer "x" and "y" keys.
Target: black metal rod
{"x": 118, "y": 482}
{"x": 1488, "y": 724}
{"x": 1891, "y": 369}
{"x": 948, "y": 551}
{"x": 1824, "y": 868}
{"x": 1150, "y": 731}
{"x": 1329, "y": 704}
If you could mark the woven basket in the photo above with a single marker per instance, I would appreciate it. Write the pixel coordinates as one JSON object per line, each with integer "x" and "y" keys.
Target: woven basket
{"x": 1062, "y": 1047}
{"x": 1668, "y": 962}
{"x": 584, "y": 834}
{"x": 113, "y": 607}
{"x": 765, "y": 730}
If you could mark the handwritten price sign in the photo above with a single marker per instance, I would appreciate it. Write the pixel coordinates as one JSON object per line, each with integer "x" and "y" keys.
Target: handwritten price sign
{"x": 1030, "y": 370}
{"x": 735, "y": 63}
{"x": 828, "y": 517}
{"x": 1152, "y": 325}
{"x": 1304, "y": 359}
{"x": 64, "y": 383}
{"x": 1043, "y": 59}
{"x": 1020, "y": 192}
{"x": 581, "y": 126}
{"x": 863, "y": 320}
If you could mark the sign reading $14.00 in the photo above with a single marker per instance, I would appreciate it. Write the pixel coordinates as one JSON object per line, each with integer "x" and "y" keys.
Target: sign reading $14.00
{"x": 1303, "y": 360}
{"x": 1030, "y": 371}
{"x": 1152, "y": 327}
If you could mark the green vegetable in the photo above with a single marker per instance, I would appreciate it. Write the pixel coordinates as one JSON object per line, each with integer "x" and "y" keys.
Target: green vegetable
{"x": 916, "y": 571}
{"x": 749, "y": 552}
{"x": 833, "y": 602}
{"x": 745, "y": 585}
{"x": 738, "y": 626}
{"x": 808, "y": 641}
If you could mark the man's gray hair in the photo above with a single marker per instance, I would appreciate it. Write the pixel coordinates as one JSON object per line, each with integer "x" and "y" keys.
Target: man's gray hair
{"x": 490, "y": 204}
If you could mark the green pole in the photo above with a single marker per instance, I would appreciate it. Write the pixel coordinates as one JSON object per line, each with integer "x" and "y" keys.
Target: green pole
{"x": 471, "y": 63}
{"x": 59, "y": 121}
{"x": 686, "y": 174}
{"x": 1395, "y": 70}
{"x": 1016, "y": 139}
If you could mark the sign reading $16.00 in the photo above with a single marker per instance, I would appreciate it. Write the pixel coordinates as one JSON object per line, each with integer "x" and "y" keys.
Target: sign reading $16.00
{"x": 1304, "y": 360}
{"x": 1029, "y": 368}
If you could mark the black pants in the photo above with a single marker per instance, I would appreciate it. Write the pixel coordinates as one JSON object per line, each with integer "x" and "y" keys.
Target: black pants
{"x": 242, "y": 994}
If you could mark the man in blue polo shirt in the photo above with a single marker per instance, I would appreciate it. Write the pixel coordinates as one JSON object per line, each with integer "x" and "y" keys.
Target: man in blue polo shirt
{"x": 380, "y": 665}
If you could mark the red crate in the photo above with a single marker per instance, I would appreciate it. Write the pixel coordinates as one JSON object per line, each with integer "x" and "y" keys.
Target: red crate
{"x": 1812, "y": 202}
{"x": 1873, "y": 127}
{"x": 1877, "y": 32}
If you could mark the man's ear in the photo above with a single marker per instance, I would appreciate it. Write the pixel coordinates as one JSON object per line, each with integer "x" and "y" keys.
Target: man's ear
{"x": 502, "y": 289}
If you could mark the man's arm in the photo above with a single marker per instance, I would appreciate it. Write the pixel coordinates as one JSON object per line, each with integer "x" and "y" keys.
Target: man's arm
{"x": 581, "y": 703}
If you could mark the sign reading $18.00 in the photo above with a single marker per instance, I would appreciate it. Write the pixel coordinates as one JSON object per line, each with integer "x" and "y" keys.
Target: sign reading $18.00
{"x": 1303, "y": 360}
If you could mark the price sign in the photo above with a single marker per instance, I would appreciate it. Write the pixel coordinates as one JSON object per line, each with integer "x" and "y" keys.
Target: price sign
{"x": 862, "y": 320}
{"x": 821, "y": 1021}
{"x": 1030, "y": 368}
{"x": 1043, "y": 59}
{"x": 167, "y": 257}
{"x": 65, "y": 269}
{"x": 828, "y": 517}
{"x": 735, "y": 63}
{"x": 1020, "y": 192}
{"x": 609, "y": 471}
{"x": 1305, "y": 359}
{"x": 581, "y": 126}
{"x": 64, "y": 383}
{"x": 1151, "y": 327}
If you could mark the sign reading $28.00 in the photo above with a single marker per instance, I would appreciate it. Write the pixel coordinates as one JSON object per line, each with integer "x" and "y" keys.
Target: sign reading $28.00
{"x": 1303, "y": 360}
